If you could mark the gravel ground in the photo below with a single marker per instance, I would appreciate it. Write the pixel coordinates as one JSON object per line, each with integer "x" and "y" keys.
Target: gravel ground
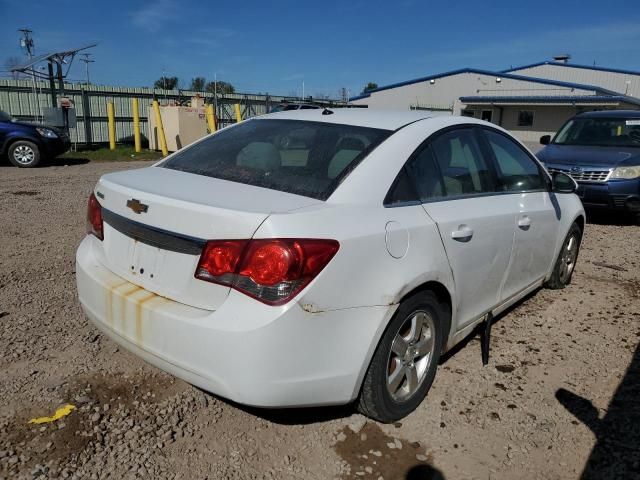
{"x": 559, "y": 398}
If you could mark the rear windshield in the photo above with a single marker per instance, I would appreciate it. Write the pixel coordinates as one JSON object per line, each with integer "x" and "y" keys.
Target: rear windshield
{"x": 605, "y": 132}
{"x": 294, "y": 156}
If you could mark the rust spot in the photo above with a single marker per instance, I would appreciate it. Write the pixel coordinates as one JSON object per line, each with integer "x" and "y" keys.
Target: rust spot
{"x": 138, "y": 315}
{"x": 109, "y": 307}
{"x": 310, "y": 308}
{"x": 109, "y": 301}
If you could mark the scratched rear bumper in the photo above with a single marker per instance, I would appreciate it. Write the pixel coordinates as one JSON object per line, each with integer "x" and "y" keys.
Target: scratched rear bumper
{"x": 245, "y": 351}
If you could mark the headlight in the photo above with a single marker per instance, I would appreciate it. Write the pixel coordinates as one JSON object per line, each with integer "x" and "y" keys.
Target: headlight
{"x": 47, "y": 133}
{"x": 625, "y": 173}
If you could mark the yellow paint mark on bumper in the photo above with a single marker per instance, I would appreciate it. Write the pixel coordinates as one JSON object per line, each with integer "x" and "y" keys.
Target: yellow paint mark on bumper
{"x": 61, "y": 412}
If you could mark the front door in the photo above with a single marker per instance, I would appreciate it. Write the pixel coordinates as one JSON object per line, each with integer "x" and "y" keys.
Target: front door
{"x": 525, "y": 188}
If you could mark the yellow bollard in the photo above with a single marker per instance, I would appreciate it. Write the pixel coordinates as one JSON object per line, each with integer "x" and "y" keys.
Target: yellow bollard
{"x": 238, "y": 114}
{"x": 136, "y": 125}
{"x": 112, "y": 125}
{"x": 211, "y": 118}
{"x": 160, "y": 127}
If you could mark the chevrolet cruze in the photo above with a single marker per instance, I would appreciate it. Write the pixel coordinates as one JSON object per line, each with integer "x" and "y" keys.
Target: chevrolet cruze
{"x": 320, "y": 257}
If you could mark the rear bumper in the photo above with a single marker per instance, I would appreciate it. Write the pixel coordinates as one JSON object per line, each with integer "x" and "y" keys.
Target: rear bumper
{"x": 245, "y": 351}
{"x": 621, "y": 195}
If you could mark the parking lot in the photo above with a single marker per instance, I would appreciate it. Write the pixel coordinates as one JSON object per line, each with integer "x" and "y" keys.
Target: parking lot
{"x": 557, "y": 400}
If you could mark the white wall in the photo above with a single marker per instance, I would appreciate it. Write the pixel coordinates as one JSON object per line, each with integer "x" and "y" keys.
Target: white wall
{"x": 609, "y": 80}
{"x": 445, "y": 91}
{"x": 546, "y": 121}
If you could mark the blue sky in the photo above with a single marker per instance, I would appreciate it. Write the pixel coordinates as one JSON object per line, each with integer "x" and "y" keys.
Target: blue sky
{"x": 274, "y": 46}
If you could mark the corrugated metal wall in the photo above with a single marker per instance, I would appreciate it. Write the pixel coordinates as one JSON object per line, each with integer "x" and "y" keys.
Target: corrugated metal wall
{"x": 624, "y": 83}
{"x": 445, "y": 92}
{"x": 17, "y": 98}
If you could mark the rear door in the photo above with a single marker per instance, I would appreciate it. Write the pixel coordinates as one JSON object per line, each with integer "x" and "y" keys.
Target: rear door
{"x": 458, "y": 188}
{"x": 526, "y": 191}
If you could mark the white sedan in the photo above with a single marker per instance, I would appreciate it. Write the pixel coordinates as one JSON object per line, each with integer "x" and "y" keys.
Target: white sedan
{"x": 317, "y": 257}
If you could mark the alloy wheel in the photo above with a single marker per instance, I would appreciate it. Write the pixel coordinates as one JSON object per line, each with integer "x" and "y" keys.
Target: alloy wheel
{"x": 24, "y": 154}
{"x": 568, "y": 258}
{"x": 411, "y": 354}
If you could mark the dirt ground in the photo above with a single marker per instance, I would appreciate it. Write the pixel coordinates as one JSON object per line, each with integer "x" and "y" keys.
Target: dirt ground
{"x": 560, "y": 398}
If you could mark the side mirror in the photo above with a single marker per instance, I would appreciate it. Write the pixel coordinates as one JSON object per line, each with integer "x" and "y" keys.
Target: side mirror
{"x": 545, "y": 140}
{"x": 563, "y": 183}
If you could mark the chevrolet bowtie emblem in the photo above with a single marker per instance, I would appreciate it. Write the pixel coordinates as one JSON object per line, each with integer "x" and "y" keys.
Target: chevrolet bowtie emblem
{"x": 138, "y": 207}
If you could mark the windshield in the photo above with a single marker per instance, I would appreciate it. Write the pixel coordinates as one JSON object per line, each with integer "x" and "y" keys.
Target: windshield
{"x": 605, "y": 132}
{"x": 294, "y": 156}
{"x": 5, "y": 117}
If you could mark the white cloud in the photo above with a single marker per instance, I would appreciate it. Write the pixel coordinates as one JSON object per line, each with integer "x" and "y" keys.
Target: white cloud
{"x": 156, "y": 14}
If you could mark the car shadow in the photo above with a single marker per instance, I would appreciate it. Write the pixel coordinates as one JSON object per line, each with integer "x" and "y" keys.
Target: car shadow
{"x": 606, "y": 217}
{"x": 616, "y": 453}
{"x": 294, "y": 415}
{"x": 474, "y": 335}
{"x": 56, "y": 162}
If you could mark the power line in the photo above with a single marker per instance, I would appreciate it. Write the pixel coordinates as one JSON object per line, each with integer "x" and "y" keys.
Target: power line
{"x": 87, "y": 61}
{"x": 26, "y": 42}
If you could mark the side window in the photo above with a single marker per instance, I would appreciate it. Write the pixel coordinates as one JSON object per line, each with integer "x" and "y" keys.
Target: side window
{"x": 422, "y": 169}
{"x": 402, "y": 191}
{"x": 517, "y": 171}
{"x": 462, "y": 165}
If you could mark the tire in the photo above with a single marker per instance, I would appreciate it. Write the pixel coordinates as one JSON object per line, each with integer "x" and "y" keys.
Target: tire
{"x": 24, "y": 154}
{"x": 566, "y": 262}
{"x": 387, "y": 394}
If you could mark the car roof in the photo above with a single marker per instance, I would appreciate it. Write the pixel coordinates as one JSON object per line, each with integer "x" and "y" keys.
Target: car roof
{"x": 611, "y": 114}
{"x": 362, "y": 117}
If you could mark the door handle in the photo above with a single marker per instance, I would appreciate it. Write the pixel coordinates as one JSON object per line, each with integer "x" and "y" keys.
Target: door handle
{"x": 524, "y": 223}
{"x": 463, "y": 234}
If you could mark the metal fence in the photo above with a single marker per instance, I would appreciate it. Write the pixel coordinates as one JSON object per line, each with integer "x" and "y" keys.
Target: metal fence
{"x": 17, "y": 98}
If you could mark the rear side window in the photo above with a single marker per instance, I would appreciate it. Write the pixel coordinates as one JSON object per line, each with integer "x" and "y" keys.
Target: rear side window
{"x": 517, "y": 171}
{"x": 425, "y": 175}
{"x": 462, "y": 165}
{"x": 294, "y": 156}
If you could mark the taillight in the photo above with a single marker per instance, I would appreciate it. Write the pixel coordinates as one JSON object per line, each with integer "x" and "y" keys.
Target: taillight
{"x": 270, "y": 270}
{"x": 94, "y": 217}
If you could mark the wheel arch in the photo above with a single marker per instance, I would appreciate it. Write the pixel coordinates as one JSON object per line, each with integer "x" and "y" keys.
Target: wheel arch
{"x": 443, "y": 295}
{"x": 22, "y": 138}
{"x": 580, "y": 220}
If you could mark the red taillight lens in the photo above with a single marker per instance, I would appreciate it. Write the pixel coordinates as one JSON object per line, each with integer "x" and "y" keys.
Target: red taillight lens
{"x": 219, "y": 258}
{"x": 94, "y": 218}
{"x": 271, "y": 262}
{"x": 270, "y": 270}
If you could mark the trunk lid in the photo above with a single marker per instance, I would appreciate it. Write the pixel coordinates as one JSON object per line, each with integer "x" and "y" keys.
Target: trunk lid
{"x": 157, "y": 220}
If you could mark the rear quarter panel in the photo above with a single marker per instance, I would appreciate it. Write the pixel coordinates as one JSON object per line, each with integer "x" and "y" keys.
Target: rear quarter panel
{"x": 363, "y": 272}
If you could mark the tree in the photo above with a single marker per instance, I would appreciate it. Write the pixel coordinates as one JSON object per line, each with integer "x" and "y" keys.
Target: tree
{"x": 370, "y": 86}
{"x": 197, "y": 84}
{"x": 223, "y": 88}
{"x": 166, "y": 83}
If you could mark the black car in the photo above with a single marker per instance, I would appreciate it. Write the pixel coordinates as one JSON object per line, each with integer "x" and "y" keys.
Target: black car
{"x": 601, "y": 151}
{"x": 27, "y": 144}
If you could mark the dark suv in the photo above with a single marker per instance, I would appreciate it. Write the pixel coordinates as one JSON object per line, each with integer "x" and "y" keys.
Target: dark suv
{"x": 26, "y": 144}
{"x": 601, "y": 151}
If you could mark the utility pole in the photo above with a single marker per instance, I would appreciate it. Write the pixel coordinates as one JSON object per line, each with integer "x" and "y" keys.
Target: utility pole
{"x": 87, "y": 61}
{"x": 26, "y": 42}
{"x": 215, "y": 92}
